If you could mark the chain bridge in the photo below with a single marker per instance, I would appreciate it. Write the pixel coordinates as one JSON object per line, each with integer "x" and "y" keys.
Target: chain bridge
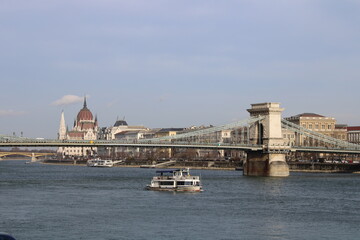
{"x": 260, "y": 136}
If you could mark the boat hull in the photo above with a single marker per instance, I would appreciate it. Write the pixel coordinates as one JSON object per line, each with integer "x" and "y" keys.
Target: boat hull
{"x": 100, "y": 166}
{"x": 176, "y": 189}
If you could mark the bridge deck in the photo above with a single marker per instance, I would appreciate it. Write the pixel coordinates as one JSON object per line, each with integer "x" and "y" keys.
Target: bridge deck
{"x": 167, "y": 144}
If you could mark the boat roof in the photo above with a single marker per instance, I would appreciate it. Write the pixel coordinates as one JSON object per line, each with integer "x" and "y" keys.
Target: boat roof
{"x": 168, "y": 171}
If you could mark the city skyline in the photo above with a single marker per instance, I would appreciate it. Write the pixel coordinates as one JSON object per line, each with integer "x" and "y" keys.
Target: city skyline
{"x": 175, "y": 64}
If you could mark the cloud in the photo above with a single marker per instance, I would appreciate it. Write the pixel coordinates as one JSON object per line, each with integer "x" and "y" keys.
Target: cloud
{"x": 67, "y": 100}
{"x": 10, "y": 113}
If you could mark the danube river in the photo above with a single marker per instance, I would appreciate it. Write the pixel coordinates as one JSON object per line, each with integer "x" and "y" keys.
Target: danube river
{"x": 53, "y": 202}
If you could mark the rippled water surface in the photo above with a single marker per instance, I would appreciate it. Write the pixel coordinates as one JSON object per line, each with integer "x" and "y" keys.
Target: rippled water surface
{"x": 52, "y": 202}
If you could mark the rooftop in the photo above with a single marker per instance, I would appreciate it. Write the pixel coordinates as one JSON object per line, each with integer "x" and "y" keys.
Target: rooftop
{"x": 353, "y": 128}
{"x": 308, "y": 115}
{"x": 120, "y": 123}
{"x": 171, "y": 129}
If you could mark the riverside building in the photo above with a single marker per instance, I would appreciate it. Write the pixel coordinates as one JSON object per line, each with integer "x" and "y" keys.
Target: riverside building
{"x": 318, "y": 123}
{"x": 123, "y": 132}
{"x": 353, "y": 134}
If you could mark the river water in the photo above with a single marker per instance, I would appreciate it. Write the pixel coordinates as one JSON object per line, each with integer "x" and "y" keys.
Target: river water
{"x": 53, "y": 202}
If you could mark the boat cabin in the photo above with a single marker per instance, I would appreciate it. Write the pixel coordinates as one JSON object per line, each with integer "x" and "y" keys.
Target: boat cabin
{"x": 173, "y": 173}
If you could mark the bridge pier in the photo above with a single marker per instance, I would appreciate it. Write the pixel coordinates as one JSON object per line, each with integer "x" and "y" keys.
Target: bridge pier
{"x": 33, "y": 158}
{"x": 271, "y": 161}
{"x": 266, "y": 165}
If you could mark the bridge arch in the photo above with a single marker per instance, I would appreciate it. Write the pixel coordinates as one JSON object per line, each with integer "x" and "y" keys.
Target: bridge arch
{"x": 31, "y": 155}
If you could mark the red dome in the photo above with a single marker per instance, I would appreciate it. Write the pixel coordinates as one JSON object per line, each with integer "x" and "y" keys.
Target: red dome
{"x": 84, "y": 114}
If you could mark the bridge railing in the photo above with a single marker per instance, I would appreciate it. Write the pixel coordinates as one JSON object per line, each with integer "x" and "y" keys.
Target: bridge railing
{"x": 207, "y": 131}
{"x": 336, "y": 143}
{"x": 132, "y": 143}
{"x": 207, "y": 136}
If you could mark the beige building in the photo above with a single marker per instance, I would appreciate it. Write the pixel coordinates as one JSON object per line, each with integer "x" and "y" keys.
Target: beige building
{"x": 314, "y": 122}
{"x": 317, "y": 123}
{"x": 121, "y": 126}
{"x": 340, "y": 132}
{"x": 166, "y": 132}
{"x": 123, "y": 132}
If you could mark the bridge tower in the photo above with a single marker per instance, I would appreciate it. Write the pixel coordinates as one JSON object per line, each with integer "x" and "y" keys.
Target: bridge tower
{"x": 271, "y": 160}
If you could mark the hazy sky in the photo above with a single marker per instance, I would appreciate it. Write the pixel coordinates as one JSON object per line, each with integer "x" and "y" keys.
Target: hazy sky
{"x": 175, "y": 63}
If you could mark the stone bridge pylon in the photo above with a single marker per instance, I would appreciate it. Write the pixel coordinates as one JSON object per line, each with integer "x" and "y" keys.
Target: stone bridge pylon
{"x": 271, "y": 160}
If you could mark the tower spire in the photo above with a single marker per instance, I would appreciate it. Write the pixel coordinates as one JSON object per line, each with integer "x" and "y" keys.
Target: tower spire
{"x": 62, "y": 127}
{"x": 85, "y": 105}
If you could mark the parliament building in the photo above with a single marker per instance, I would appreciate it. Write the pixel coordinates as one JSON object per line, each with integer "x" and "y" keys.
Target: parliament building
{"x": 85, "y": 128}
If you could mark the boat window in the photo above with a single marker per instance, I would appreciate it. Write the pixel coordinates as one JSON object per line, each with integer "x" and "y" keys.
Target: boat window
{"x": 180, "y": 183}
{"x": 167, "y": 183}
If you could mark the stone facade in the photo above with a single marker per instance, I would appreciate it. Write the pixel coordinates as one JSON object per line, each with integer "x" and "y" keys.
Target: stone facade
{"x": 314, "y": 122}
{"x": 268, "y": 132}
{"x": 317, "y": 123}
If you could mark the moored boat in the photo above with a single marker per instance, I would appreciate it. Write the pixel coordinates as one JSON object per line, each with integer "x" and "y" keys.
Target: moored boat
{"x": 99, "y": 163}
{"x": 178, "y": 180}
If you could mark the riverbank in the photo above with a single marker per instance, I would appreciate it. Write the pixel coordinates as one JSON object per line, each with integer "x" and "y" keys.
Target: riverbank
{"x": 324, "y": 167}
{"x": 67, "y": 163}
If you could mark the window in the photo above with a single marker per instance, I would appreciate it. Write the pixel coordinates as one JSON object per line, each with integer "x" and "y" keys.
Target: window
{"x": 323, "y": 127}
{"x": 168, "y": 183}
{"x": 310, "y": 126}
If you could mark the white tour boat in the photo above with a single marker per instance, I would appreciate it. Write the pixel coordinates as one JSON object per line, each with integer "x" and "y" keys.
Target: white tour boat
{"x": 175, "y": 180}
{"x": 99, "y": 163}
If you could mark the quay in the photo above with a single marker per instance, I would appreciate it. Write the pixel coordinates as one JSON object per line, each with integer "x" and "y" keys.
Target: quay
{"x": 324, "y": 167}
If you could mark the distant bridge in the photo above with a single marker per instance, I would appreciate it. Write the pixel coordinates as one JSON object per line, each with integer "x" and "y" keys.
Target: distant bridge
{"x": 32, "y": 155}
{"x": 26, "y": 154}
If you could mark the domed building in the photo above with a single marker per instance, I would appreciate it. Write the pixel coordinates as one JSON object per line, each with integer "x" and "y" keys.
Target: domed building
{"x": 85, "y": 128}
{"x": 121, "y": 131}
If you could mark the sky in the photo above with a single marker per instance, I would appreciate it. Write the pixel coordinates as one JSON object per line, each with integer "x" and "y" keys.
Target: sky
{"x": 171, "y": 63}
